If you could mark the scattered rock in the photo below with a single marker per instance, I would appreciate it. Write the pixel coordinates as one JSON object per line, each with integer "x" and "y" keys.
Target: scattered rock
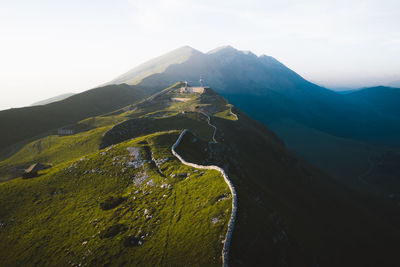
{"x": 150, "y": 182}
{"x": 132, "y": 241}
{"x": 183, "y": 175}
{"x": 139, "y": 178}
{"x": 164, "y": 186}
{"x": 135, "y": 152}
{"x": 215, "y": 220}
{"x": 223, "y": 197}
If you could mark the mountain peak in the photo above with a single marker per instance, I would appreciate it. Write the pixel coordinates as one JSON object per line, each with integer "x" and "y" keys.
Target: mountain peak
{"x": 156, "y": 65}
{"x": 187, "y": 48}
{"x": 225, "y": 48}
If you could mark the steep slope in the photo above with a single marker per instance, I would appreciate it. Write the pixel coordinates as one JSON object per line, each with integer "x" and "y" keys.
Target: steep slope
{"x": 156, "y": 65}
{"x": 288, "y": 213}
{"x": 52, "y": 99}
{"x": 107, "y": 209}
{"x": 23, "y": 123}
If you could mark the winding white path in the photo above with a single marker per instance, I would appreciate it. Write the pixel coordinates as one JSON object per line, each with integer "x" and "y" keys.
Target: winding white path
{"x": 227, "y": 241}
{"x": 233, "y": 114}
{"x": 209, "y": 123}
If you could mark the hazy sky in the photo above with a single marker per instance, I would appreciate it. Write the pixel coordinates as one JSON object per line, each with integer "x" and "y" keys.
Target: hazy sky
{"x": 51, "y": 47}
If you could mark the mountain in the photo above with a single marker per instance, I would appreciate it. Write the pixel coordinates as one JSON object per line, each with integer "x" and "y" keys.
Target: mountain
{"x": 297, "y": 110}
{"x": 116, "y": 193}
{"x": 20, "y": 124}
{"x": 267, "y": 90}
{"x": 224, "y": 67}
{"x": 156, "y": 65}
{"x": 52, "y": 99}
{"x": 384, "y": 99}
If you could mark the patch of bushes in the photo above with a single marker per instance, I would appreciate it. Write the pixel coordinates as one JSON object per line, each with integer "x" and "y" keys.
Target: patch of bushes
{"x": 112, "y": 231}
{"x": 111, "y": 202}
{"x": 132, "y": 241}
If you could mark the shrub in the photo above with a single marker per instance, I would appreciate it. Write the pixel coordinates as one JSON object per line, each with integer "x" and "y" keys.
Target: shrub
{"x": 111, "y": 202}
{"x": 112, "y": 231}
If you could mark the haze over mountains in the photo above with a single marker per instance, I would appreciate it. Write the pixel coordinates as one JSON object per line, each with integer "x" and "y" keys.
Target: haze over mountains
{"x": 289, "y": 213}
{"x": 243, "y": 78}
{"x": 296, "y": 109}
{"x": 52, "y": 99}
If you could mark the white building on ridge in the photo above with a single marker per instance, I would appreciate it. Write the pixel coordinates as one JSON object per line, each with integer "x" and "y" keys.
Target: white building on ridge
{"x": 197, "y": 89}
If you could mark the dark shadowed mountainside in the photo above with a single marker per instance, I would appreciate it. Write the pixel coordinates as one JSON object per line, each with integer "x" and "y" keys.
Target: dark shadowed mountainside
{"x": 23, "y": 123}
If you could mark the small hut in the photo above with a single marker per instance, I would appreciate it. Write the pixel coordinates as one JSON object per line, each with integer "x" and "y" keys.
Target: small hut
{"x": 32, "y": 171}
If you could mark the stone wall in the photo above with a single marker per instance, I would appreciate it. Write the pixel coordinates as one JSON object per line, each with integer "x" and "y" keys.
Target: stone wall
{"x": 231, "y": 225}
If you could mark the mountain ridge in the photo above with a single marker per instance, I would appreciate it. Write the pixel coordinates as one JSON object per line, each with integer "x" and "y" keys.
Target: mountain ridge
{"x": 233, "y": 73}
{"x": 101, "y": 196}
{"x": 296, "y": 109}
{"x": 52, "y": 99}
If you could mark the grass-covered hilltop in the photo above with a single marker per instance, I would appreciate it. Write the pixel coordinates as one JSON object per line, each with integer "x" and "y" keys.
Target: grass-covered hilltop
{"x": 113, "y": 194}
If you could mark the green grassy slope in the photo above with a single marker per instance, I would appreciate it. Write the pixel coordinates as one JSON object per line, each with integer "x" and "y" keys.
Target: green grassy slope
{"x": 190, "y": 216}
{"x": 51, "y": 150}
{"x": 57, "y": 219}
{"x": 54, "y": 149}
{"x": 23, "y": 123}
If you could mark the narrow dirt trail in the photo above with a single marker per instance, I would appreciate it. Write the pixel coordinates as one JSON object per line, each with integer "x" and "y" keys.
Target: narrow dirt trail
{"x": 209, "y": 123}
{"x": 231, "y": 224}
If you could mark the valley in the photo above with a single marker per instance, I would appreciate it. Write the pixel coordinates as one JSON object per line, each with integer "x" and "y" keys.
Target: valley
{"x": 200, "y": 133}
